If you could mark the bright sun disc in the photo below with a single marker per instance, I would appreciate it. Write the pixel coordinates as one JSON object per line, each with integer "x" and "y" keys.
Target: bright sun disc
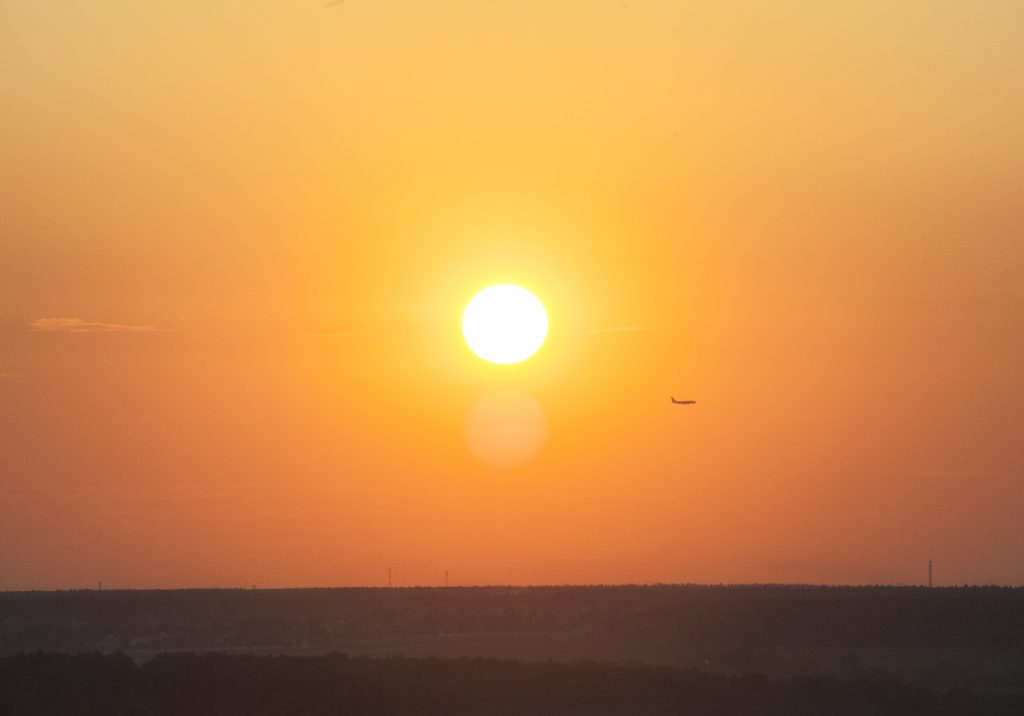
{"x": 505, "y": 324}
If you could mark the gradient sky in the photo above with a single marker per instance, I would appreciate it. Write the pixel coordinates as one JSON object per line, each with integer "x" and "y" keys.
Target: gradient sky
{"x": 236, "y": 238}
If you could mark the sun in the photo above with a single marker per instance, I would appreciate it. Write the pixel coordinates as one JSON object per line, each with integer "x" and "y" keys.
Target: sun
{"x": 505, "y": 324}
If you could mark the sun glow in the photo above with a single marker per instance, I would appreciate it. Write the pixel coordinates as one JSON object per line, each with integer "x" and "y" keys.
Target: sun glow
{"x": 505, "y": 324}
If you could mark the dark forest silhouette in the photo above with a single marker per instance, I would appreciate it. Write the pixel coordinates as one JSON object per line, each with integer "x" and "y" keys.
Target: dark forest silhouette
{"x": 337, "y": 684}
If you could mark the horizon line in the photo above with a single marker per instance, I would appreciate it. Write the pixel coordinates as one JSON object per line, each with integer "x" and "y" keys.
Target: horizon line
{"x": 567, "y": 585}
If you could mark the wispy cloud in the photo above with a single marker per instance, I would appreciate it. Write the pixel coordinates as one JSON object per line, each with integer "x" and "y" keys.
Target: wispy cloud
{"x": 616, "y": 329}
{"x": 328, "y": 334}
{"x": 77, "y": 325}
{"x": 938, "y": 472}
{"x": 9, "y": 375}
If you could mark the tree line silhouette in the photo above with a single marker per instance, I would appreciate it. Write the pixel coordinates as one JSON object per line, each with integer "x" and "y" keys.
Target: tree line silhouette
{"x": 216, "y": 683}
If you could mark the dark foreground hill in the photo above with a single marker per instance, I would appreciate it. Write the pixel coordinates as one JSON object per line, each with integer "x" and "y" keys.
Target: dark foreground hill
{"x": 183, "y": 683}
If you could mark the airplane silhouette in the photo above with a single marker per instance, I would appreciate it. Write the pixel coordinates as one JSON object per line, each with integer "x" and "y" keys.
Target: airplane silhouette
{"x": 682, "y": 402}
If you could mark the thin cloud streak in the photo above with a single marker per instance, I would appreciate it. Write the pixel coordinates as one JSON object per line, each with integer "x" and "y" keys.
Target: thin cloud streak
{"x": 77, "y": 325}
{"x": 616, "y": 329}
{"x": 940, "y": 473}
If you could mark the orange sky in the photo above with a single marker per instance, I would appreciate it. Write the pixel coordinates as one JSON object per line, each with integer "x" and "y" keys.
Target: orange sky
{"x": 236, "y": 239}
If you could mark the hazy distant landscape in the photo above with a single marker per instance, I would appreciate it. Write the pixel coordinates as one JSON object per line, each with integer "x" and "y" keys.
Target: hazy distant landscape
{"x": 969, "y": 639}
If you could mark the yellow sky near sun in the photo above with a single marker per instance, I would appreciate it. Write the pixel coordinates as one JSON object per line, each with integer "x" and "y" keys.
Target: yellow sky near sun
{"x": 806, "y": 216}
